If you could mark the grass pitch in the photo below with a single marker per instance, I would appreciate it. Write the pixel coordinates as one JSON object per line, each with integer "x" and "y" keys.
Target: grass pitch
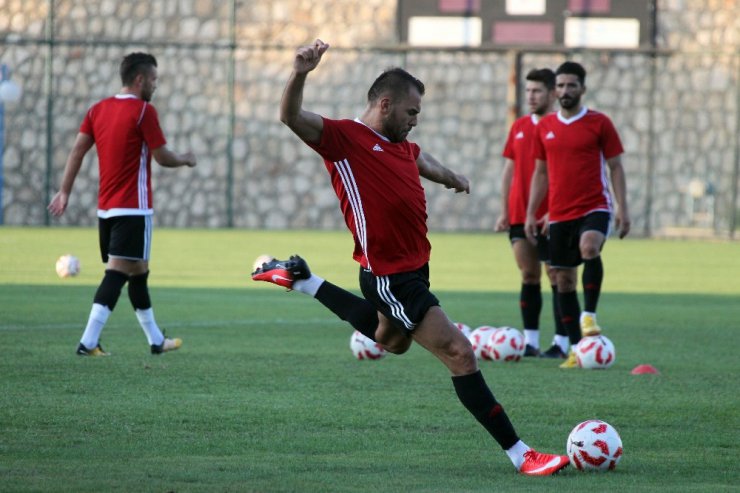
{"x": 265, "y": 396}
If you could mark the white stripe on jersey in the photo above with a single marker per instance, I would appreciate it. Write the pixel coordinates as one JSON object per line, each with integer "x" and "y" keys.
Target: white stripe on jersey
{"x": 605, "y": 184}
{"x": 353, "y": 194}
{"x": 396, "y": 307}
{"x": 141, "y": 116}
{"x": 143, "y": 195}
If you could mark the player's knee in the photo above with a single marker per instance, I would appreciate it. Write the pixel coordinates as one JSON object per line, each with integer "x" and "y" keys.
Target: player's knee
{"x": 462, "y": 357}
{"x": 393, "y": 343}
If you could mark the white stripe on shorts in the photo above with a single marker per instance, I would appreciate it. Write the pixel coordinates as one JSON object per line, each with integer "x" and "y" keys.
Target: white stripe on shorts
{"x": 396, "y": 307}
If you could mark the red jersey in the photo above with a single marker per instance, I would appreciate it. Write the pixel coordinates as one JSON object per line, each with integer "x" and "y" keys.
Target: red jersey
{"x": 380, "y": 194}
{"x": 519, "y": 148}
{"x": 125, "y": 130}
{"x": 576, "y": 150}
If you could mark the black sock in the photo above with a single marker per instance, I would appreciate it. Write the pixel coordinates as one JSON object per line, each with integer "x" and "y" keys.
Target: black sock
{"x": 592, "y": 276}
{"x": 357, "y": 311}
{"x": 530, "y": 302}
{"x": 559, "y": 327}
{"x": 138, "y": 291}
{"x": 478, "y": 399}
{"x": 570, "y": 313}
{"x": 110, "y": 288}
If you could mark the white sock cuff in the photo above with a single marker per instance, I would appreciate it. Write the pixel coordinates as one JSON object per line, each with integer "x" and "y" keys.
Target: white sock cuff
{"x": 309, "y": 286}
{"x": 516, "y": 453}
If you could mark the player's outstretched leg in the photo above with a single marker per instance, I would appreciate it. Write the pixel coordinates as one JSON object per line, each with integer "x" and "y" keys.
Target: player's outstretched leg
{"x": 282, "y": 272}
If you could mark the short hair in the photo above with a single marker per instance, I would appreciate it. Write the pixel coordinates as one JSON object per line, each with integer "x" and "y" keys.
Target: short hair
{"x": 573, "y": 68}
{"x": 134, "y": 64}
{"x": 544, "y": 75}
{"x": 395, "y": 81}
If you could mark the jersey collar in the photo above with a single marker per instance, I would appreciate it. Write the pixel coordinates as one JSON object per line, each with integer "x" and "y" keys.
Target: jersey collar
{"x": 373, "y": 131}
{"x": 573, "y": 118}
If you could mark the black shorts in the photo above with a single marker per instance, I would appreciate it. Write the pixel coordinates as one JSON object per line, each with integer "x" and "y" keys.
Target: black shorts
{"x": 516, "y": 233}
{"x": 404, "y": 298}
{"x": 565, "y": 237}
{"x": 128, "y": 237}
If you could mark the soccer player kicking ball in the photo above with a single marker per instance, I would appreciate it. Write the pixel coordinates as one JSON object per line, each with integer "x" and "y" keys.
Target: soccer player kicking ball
{"x": 375, "y": 173}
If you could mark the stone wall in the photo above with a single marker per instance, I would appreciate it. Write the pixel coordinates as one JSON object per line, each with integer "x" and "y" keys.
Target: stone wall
{"x": 677, "y": 112}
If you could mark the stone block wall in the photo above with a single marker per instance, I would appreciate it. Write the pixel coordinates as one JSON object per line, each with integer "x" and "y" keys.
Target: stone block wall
{"x": 677, "y": 112}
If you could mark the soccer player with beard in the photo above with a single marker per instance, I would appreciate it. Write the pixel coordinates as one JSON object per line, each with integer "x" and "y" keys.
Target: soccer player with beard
{"x": 376, "y": 174}
{"x": 125, "y": 131}
{"x": 573, "y": 149}
{"x": 518, "y": 169}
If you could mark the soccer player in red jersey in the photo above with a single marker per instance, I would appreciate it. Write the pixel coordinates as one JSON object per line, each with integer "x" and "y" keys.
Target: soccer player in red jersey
{"x": 376, "y": 174}
{"x": 125, "y": 131}
{"x": 518, "y": 169}
{"x": 574, "y": 147}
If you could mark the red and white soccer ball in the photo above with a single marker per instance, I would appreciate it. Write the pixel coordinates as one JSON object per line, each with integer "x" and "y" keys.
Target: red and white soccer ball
{"x": 464, "y": 329}
{"x": 505, "y": 344}
{"x": 365, "y": 348}
{"x": 68, "y": 266}
{"x": 478, "y": 339}
{"x": 595, "y": 353}
{"x": 594, "y": 445}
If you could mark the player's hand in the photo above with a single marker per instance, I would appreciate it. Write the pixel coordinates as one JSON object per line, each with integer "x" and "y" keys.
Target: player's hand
{"x": 459, "y": 184}
{"x": 530, "y": 230}
{"x": 502, "y": 223}
{"x": 544, "y": 225}
{"x": 188, "y": 159}
{"x": 58, "y": 204}
{"x": 623, "y": 224}
{"x": 307, "y": 58}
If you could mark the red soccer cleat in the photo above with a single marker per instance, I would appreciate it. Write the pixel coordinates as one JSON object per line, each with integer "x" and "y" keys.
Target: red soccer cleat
{"x": 283, "y": 272}
{"x": 537, "y": 464}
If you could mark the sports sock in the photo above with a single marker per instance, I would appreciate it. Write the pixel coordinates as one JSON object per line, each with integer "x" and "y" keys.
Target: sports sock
{"x": 570, "y": 311}
{"x": 357, "y": 311}
{"x": 530, "y": 302}
{"x": 138, "y": 291}
{"x": 150, "y": 327}
{"x": 563, "y": 341}
{"x": 110, "y": 288}
{"x": 308, "y": 286}
{"x": 559, "y": 327}
{"x": 516, "y": 453}
{"x": 96, "y": 321}
{"x": 479, "y": 401}
{"x": 532, "y": 337}
{"x": 592, "y": 277}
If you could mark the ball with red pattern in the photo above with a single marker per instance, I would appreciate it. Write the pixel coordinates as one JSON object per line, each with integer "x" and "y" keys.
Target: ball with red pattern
{"x": 595, "y": 353}
{"x": 505, "y": 344}
{"x": 365, "y": 348}
{"x": 594, "y": 445}
{"x": 478, "y": 339}
{"x": 465, "y": 329}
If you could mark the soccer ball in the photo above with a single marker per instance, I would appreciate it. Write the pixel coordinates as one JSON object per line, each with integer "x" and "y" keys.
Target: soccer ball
{"x": 595, "y": 353}
{"x": 478, "y": 339}
{"x": 505, "y": 344}
{"x": 262, "y": 259}
{"x": 68, "y": 266}
{"x": 464, "y": 329}
{"x": 594, "y": 445}
{"x": 365, "y": 348}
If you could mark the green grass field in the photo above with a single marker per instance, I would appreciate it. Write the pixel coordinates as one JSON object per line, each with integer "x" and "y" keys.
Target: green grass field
{"x": 265, "y": 396}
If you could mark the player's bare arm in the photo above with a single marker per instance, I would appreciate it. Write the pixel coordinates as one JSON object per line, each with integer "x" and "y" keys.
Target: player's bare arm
{"x": 502, "y": 223}
{"x": 59, "y": 202}
{"x": 165, "y": 157}
{"x": 619, "y": 184}
{"x": 305, "y": 124}
{"x": 431, "y": 169}
{"x": 537, "y": 192}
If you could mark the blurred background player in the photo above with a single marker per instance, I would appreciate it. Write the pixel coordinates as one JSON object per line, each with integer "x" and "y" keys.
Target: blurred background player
{"x": 125, "y": 130}
{"x": 518, "y": 169}
{"x": 376, "y": 174}
{"x": 573, "y": 149}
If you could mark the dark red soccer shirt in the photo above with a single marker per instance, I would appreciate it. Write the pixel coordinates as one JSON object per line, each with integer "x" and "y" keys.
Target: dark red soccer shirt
{"x": 576, "y": 150}
{"x": 380, "y": 194}
{"x": 520, "y": 149}
{"x": 125, "y": 130}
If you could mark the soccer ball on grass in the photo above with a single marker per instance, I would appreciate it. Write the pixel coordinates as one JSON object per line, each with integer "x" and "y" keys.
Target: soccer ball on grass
{"x": 505, "y": 344}
{"x": 595, "y": 353}
{"x": 594, "y": 445}
{"x": 478, "y": 339}
{"x": 68, "y": 266}
{"x": 365, "y": 348}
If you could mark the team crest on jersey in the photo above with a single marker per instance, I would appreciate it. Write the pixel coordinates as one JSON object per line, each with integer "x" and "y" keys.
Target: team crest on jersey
{"x": 520, "y": 135}
{"x": 377, "y": 147}
{"x": 549, "y": 135}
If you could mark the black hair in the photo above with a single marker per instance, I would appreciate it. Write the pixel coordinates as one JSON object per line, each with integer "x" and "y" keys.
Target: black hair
{"x": 134, "y": 64}
{"x": 395, "y": 81}
{"x": 573, "y": 68}
{"x": 544, "y": 75}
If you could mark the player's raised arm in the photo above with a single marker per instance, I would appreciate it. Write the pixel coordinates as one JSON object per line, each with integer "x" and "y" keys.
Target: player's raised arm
{"x": 82, "y": 144}
{"x": 537, "y": 192}
{"x": 431, "y": 169}
{"x": 306, "y": 125}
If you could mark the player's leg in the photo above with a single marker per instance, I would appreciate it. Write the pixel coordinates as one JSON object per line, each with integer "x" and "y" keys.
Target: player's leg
{"x": 593, "y": 236}
{"x": 561, "y": 342}
{"x": 530, "y": 293}
{"x": 565, "y": 258}
{"x": 106, "y": 296}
